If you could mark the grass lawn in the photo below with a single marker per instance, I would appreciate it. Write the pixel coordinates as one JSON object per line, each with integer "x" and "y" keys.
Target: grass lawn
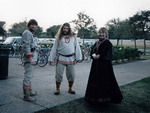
{"x": 136, "y": 100}
{"x": 145, "y": 57}
{"x": 130, "y": 43}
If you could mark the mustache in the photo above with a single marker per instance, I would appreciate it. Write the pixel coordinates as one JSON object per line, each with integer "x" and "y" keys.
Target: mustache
{"x": 32, "y": 30}
{"x": 65, "y": 33}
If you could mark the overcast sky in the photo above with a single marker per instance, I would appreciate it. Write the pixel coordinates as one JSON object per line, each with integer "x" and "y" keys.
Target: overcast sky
{"x": 56, "y": 12}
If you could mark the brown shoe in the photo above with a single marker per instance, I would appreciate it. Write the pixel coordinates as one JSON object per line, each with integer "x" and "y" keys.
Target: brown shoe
{"x": 71, "y": 91}
{"x": 31, "y": 92}
{"x": 27, "y": 96}
{"x": 29, "y": 99}
{"x": 57, "y": 92}
{"x": 70, "y": 84}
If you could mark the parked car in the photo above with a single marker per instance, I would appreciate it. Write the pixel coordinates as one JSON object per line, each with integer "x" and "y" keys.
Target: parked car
{"x": 88, "y": 43}
{"x": 2, "y": 39}
{"x": 11, "y": 42}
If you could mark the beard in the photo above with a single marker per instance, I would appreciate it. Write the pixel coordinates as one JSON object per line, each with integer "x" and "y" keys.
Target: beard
{"x": 65, "y": 33}
{"x": 32, "y": 30}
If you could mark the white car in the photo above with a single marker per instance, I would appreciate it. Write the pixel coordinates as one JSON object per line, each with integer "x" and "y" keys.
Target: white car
{"x": 12, "y": 42}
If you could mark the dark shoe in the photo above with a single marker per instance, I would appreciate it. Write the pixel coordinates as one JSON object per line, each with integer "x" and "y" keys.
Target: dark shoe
{"x": 71, "y": 91}
{"x": 70, "y": 87}
{"x": 57, "y": 92}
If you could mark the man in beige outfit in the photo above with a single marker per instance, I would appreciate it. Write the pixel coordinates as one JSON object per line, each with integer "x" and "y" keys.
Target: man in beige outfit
{"x": 66, "y": 51}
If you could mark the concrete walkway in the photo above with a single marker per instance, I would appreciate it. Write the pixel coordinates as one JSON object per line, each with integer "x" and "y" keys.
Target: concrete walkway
{"x": 44, "y": 83}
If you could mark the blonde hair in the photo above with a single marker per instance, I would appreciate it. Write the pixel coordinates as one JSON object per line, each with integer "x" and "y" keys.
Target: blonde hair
{"x": 105, "y": 31}
{"x": 60, "y": 31}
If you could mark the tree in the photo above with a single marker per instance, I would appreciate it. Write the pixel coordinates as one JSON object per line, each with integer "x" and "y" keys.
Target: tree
{"x": 119, "y": 29}
{"x": 51, "y": 32}
{"x": 2, "y": 23}
{"x": 141, "y": 25}
{"x": 2, "y": 30}
{"x": 115, "y": 28}
{"x": 133, "y": 31}
{"x": 38, "y": 31}
{"x": 18, "y": 28}
{"x": 85, "y": 26}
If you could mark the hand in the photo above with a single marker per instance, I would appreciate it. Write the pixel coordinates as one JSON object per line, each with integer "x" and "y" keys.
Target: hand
{"x": 96, "y": 57}
{"x": 49, "y": 62}
{"x": 32, "y": 61}
{"x": 75, "y": 62}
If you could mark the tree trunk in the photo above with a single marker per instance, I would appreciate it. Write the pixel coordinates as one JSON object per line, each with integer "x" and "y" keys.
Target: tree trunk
{"x": 83, "y": 39}
{"x": 117, "y": 41}
{"x": 121, "y": 42}
{"x": 144, "y": 46}
{"x": 135, "y": 43}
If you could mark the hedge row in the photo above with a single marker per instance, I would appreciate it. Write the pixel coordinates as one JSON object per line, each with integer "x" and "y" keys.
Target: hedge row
{"x": 122, "y": 53}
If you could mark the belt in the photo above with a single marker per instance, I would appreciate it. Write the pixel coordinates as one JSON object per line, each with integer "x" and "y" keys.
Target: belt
{"x": 67, "y": 55}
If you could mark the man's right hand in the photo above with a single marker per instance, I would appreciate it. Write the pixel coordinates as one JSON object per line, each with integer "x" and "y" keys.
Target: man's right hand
{"x": 49, "y": 62}
{"x": 32, "y": 61}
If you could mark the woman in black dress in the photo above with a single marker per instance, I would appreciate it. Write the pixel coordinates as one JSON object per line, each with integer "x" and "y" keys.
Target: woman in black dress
{"x": 102, "y": 86}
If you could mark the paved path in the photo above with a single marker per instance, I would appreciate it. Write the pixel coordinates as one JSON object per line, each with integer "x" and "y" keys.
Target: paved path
{"x": 44, "y": 83}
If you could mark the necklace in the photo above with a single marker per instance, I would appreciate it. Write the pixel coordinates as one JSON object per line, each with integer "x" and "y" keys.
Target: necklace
{"x": 98, "y": 43}
{"x": 67, "y": 39}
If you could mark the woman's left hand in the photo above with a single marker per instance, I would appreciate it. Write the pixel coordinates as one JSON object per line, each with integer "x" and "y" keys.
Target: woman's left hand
{"x": 96, "y": 57}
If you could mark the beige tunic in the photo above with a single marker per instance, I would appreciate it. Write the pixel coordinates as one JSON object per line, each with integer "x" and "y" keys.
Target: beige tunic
{"x": 66, "y": 46}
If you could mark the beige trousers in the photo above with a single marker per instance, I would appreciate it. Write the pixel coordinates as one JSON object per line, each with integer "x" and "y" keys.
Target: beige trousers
{"x": 70, "y": 72}
{"x": 28, "y": 74}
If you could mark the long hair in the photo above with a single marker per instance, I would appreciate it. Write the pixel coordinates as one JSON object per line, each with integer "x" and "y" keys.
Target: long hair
{"x": 105, "y": 31}
{"x": 60, "y": 31}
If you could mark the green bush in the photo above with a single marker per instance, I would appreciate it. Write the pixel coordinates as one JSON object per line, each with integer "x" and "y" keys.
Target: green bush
{"x": 122, "y": 53}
